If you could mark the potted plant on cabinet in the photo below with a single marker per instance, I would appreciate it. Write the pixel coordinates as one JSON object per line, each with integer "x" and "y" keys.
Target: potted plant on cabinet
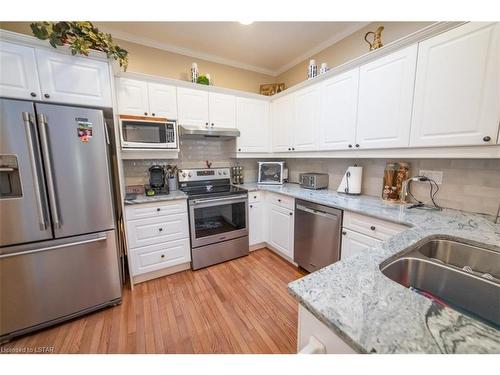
{"x": 171, "y": 171}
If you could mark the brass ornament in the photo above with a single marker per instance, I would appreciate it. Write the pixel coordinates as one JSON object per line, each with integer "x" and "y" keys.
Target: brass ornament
{"x": 377, "y": 38}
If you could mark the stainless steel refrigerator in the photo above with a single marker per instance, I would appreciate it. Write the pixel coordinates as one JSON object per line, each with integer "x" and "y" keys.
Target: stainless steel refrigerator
{"x": 58, "y": 252}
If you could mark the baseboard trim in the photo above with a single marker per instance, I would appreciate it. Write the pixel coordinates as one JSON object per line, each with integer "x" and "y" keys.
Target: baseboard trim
{"x": 160, "y": 273}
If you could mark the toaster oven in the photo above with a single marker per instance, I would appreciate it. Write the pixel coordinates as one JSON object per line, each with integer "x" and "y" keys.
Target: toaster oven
{"x": 313, "y": 181}
{"x": 272, "y": 172}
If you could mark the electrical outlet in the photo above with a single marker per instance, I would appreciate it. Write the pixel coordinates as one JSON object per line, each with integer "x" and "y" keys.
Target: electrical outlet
{"x": 437, "y": 176}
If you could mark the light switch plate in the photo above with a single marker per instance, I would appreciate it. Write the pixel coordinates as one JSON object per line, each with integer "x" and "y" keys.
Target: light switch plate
{"x": 434, "y": 175}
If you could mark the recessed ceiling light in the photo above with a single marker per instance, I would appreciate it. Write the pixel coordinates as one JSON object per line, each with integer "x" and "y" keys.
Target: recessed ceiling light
{"x": 246, "y": 22}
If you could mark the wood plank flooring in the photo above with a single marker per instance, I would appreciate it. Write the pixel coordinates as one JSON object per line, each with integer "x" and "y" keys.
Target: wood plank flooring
{"x": 241, "y": 306}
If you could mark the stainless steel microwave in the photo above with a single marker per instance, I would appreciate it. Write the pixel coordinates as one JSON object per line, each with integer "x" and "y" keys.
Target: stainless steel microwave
{"x": 272, "y": 172}
{"x": 148, "y": 132}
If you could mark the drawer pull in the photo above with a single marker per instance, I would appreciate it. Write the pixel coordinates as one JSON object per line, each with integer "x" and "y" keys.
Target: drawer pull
{"x": 344, "y": 232}
{"x": 158, "y": 209}
{"x": 163, "y": 255}
{"x": 279, "y": 200}
{"x": 160, "y": 229}
{"x": 291, "y": 213}
{"x": 373, "y": 227}
{"x": 254, "y": 197}
{"x": 251, "y": 206}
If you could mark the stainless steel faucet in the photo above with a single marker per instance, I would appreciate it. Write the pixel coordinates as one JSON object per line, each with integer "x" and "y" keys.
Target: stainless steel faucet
{"x": 498, "y": 214}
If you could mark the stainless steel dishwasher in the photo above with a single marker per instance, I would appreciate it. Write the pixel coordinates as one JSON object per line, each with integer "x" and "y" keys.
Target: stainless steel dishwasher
{"x": 317, "y": 235}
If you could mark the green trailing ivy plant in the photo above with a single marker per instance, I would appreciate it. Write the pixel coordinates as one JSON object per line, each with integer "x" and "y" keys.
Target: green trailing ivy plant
{"x": 81, "y": 37}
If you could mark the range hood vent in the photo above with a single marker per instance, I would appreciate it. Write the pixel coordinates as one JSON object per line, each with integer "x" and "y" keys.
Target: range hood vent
{"x": 197, "y": 132}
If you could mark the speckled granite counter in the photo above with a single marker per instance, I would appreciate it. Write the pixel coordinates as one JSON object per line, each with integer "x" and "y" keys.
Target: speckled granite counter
{"x": 143, "y": 198}
{"x": 375, "y": 314}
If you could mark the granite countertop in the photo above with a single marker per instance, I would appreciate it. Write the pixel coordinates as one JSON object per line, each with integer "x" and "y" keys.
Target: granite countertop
{"x": 375, "y": 314}
{"x": 143, "y": 198}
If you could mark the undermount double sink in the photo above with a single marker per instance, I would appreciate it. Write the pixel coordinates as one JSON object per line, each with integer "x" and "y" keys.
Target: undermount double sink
{"x": 462, "y": 276}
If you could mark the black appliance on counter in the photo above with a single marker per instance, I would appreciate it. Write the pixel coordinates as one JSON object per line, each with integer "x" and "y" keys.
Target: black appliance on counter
{"x": 157, "y": 181}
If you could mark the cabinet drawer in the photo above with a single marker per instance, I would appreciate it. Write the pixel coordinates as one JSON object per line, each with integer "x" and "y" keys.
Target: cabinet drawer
{"x": 254, "y": 196}
{"x": 157, "y": 230}
{"x": 156, "y": 257}
{"x": 371, "y": 226}
{"x": 281, "y": 200}
{"x": 151, "y": 210}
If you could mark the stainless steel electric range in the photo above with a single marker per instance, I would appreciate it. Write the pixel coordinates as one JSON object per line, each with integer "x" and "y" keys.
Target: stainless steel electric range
{"x": 218, "y": 216}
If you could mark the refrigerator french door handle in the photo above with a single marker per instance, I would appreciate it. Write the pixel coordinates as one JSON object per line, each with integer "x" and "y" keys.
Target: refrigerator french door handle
{"x": 42, "y": 125}
{"x": 27, "y": 119}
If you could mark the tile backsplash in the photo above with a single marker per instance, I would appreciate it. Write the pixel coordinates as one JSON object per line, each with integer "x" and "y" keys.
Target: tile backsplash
{"x": 469, "y": 185}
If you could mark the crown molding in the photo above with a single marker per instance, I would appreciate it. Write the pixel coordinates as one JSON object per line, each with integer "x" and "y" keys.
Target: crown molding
{"x": 130, "y": 37}
{"x": 320, "y": 47}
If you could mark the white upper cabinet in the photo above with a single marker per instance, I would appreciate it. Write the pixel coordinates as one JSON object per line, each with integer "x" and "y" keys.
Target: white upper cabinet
{"x": 305, "y": 126}
{"x": 141, "y": 98}
{"x": 222, "y": 110}
{"x": 192, "y": 106}
{"x": 162, "y": 100}
{"x": 283, "y": 118}
{"x": 73, "y": 79}
{"x": 338, "y": 110}
{"x": 252, "y": 120}
{"x": 385, "y": 100}
{"x": 457, "y": 90}
{"x": 18, "y": 73}
{"x": 132, "y": 97}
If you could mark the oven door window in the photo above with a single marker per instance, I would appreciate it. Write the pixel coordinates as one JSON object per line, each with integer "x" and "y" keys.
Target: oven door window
{"x": 144, "y": 132}
{"x": 220, "y": 219}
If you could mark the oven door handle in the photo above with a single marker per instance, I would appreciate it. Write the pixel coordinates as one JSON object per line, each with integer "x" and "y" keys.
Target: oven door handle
{"x": 232, "y": 199}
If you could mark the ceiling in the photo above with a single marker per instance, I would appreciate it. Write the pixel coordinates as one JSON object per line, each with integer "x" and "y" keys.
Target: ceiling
{"x": 264, "y": 47}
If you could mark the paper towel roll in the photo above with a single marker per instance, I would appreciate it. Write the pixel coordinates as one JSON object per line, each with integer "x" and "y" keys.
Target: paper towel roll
{"x": 351, "y": 182}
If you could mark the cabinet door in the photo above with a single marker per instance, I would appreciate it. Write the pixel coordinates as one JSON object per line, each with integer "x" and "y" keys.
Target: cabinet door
{"x": 256, "y": 223}
{"x": 222, "y": 110}
{"x": 457, "y": 89}
{"x": 73, "y": 79}
{"x": 354, "y": 242}
{"x": 132, "y": 97}
{"x": 305, "y": 129}
{"x": 338, "y": 110}
{"x": 283, "y": 117}
{"x": 385, "y": 100}
{"x": 162, "y": 100}
{"x": 192, "y": 106}
{"x": 19, "y": 75}
{"x": 280, "y": 227}
{"x": 252, "y": 120}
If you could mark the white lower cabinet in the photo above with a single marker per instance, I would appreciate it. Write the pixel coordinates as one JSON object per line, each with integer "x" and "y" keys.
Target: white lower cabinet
{"x": 281, "y": 229}
{"x": 314, "y": 337}
{"x": 256, "y": 223}
{"x": 158, "y": 238}
{"x": 361, "y": 232}
{"x": 354, "y": 242}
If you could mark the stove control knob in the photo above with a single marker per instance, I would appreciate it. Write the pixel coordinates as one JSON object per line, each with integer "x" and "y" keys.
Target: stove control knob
{"x": 225, "y": 173}
{"x": 220, "y": 173}
{"x": 189, "y": 174}
{"x": 183, "y": 174}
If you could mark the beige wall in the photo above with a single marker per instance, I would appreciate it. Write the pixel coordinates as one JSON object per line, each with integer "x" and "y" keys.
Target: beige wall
{"x": 158, "y": 62}
{"x": 349, "y": 48}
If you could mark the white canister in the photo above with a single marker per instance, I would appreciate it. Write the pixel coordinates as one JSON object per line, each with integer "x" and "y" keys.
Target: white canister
{"x": 194, "y": 72}
{"x": 324, "y": 68}
{"x": 312, "y": 70}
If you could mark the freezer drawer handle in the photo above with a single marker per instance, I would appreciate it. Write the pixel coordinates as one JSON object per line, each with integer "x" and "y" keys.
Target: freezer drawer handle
{"x": 102, "y": 238}
{"x": 38, "y": 194}
{"x": 42, "y": 124}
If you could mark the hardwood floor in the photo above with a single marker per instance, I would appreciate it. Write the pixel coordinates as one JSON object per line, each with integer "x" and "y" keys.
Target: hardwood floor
{"x": 241, "y": 306}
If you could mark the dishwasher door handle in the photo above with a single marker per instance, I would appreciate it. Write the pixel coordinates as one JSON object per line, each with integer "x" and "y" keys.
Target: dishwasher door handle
{"x": 317, "y": 212}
